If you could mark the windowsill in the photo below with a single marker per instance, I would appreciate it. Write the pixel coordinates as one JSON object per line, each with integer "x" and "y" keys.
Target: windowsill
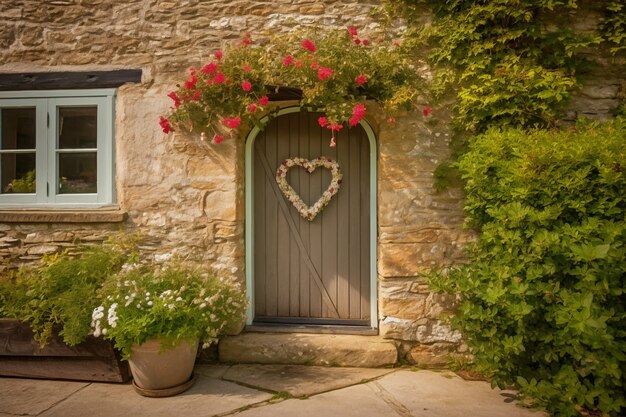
{"x": 103, "y": 215}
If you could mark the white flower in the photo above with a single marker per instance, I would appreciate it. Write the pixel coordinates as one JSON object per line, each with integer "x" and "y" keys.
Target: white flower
{"x": 150, "y": 303}
{"x": 203, "y": 305}
{"x": 179, "y": 299}
{"x": 104, "y": 331}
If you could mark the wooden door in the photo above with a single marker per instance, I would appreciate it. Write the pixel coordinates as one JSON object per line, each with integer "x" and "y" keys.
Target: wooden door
{"x": 311, "y": 272}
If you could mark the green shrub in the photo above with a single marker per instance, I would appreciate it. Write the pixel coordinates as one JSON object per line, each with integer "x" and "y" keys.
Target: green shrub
{"x": 61, "y": 292}
{"x": 542, "y": 301}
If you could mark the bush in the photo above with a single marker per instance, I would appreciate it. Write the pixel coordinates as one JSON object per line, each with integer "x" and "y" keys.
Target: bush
{"x": 542, "y": 300}
{"x": 60, "y": 293}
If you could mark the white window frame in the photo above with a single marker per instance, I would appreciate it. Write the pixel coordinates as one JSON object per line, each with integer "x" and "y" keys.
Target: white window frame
{"x": 46, "y": 103}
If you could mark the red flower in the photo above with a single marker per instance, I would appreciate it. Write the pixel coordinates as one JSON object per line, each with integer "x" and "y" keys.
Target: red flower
{"x": 298, "y": 63}
{"x": 219, "y": 78}
{"x": 246, "y": 86}
{"x": 324, "y": 73}
{"x": 247, "y": 68}
{"x": 246, "y": 39}
{"x": 322, "y": 121}
{"x": 288, "y": 60}
{"x": 308, "y": 45}
{"x": 391, "y": 120}
{"x": 252, "y": 107}
{"x": 217, "y": 139}
{"x": 196, "y": 95}
{"x": 264, "y": 100}
{"x": 191, "y": 82}
{"x": 360, "y": 79}
{"x": 315, "y": 66}
{"x": 357, "y": 114}
{"x": 427, "y": 111}
{"x": 357, "y": 41}
{"x": 335, "y": 127}
{"x": 352, "y": 31}
{"x": 165, "y": 125}
{"x": 234, "y": 122}
{"x": 366, "y": 42}
{"x": 209, "y": 69}
{"x": 218, "y": 55}
{"x": 175, "y": 98}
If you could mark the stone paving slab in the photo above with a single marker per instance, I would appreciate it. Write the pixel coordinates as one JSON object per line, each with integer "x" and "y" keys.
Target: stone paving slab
{"x": 20, "y": 396}
{"x": 444, "y": 394}
{"x": 355, "y": 401}
{"x": 208, "y": 397}
{"x": 300, "y": 380}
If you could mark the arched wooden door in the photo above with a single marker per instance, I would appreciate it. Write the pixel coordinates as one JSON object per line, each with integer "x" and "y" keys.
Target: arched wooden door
{"x": 311, "y": 272}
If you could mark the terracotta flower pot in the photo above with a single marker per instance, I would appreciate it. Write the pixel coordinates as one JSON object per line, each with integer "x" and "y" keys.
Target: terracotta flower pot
{"x": 167, "y": 370}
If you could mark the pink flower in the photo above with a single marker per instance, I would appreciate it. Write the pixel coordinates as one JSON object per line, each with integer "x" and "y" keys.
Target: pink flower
{"x": 308, "y": 45}
{"x": 391, "y": 120}
{"x": 191, "y": 82}
{"x": 264, "y": 100}
{"x": 219, "y": 78}
{"x": 175, "y": 98}
{"x": 298, "y": 63}
{"x": 357, "y": 114}
{"x": 247, "y": 68}
{"x": 357, "y": 41}
{"x": 217, "y": 139}
{"x": 324, "y": 73}
{"x": 360, "y": 79}
{"x": 352, "y": 31}
{"x": 246, "y": 86}
{"x": 366, "y": 42}
{"x": 219, "y": 55}
{"x": 196, "y": 95}
{"x": 322, "y": 121}
{"x": 315, "y": 66}
{"x": 209, "y": 69}
{"x": 252, "y": 107}
{"x": 427, "y": 111}
{"x": 234, "y": 122}
{"x": 246, "y": 39}
{"x": 165, "y": 125}
{"x": 287, "y": 61}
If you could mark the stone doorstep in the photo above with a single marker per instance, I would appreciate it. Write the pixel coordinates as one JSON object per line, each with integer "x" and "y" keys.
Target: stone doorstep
{"x": 308, "y": 349}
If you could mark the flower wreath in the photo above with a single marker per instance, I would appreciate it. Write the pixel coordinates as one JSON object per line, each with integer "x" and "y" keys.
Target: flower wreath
{"x": 305, "y": 211}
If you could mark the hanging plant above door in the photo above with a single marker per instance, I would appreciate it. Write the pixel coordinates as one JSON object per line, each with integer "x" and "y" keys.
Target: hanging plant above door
{"x": 333, "y": 72}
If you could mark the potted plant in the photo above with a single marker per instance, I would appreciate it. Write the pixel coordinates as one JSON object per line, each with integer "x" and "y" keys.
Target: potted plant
{"x": 157, "y": 315}
{"x": 45, "y": 312}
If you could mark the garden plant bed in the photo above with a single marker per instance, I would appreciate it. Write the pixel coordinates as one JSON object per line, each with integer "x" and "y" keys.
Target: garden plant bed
{"x": 93, "y": 360}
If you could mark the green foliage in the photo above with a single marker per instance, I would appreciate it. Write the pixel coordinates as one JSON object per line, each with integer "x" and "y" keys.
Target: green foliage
{"x": 613, "y": 28}
{"x": 542, "y": 301}
{"x": 25, "y": 184}
{"x": 214, "y": 95}
{"x": 174, "y": 304}
{"x": 509, "y": 62}
{"x": 61, "y": 292}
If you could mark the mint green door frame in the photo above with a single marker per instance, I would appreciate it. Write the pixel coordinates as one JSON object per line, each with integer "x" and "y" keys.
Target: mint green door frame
{"x": 250, "y": 226}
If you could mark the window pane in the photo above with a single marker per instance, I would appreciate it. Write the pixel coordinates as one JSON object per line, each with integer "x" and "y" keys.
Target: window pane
{"x": 18, "y": 173}
{"x": 18, "y": 128}
{"x": 78, "y": 127}
{"x": 78, "y": 173}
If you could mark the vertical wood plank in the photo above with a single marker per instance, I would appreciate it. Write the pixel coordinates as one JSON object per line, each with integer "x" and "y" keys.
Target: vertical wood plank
{"x": 343, "y": 231}
{"x": 354, "y": 220}
{"x": 271, "y": 216}
{"x": 304, "y": 187}
{"x": 329, "y": 230}
{"x": 282, "y": 228}
{"x": 365, "y": 224}
{"x": 259, "y": 230}
{"x": 294, "y": 252}
{"x": 315, "y": 226}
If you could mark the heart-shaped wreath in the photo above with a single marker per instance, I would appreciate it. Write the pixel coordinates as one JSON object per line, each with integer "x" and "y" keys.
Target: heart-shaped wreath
{"x": 305, "y": 211}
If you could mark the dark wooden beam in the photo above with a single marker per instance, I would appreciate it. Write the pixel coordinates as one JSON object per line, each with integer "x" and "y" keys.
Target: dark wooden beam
{"x": 68, "y": 80}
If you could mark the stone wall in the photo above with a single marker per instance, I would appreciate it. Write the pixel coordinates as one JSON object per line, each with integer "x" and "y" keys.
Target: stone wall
{"x": 187, "y": 197}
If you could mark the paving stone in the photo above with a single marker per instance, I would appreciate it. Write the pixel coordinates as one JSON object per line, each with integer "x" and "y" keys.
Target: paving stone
{"x": 211, "y": 370}
{"x": 298, "y": 380}
{"x": 436, "y": 394}
{"x": 207, "y": 397}
{"x": 32, "y": 396}
{"x": 308, "y": 349}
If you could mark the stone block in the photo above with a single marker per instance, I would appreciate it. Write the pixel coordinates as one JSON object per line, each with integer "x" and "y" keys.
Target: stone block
{"x": 310, "y": 349}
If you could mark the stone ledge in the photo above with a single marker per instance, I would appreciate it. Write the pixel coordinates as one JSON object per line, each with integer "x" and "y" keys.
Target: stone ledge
{"x": 63, "y": 216}
{"x": 308, "y": 349}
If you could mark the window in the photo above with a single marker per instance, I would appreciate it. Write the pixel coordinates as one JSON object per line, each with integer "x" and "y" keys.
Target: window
{"x": 56, "y": 148}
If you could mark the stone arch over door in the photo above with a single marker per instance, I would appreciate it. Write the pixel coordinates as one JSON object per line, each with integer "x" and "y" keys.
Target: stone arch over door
{"x": 311, "y": 272}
